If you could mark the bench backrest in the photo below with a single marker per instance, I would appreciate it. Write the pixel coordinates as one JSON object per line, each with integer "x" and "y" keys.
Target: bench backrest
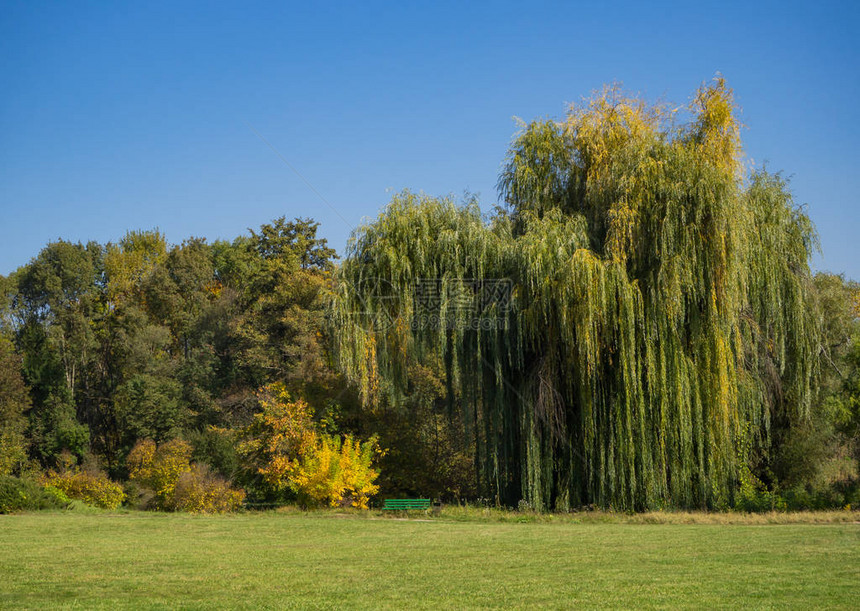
{"x": 406, "y": 504}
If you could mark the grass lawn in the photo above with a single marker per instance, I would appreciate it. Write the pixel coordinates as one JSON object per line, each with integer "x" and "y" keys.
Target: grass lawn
{"x": 283, "y": 560}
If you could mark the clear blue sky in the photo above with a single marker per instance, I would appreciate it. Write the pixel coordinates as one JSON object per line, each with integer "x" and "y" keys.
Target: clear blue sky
{"x": 120, "y": 115}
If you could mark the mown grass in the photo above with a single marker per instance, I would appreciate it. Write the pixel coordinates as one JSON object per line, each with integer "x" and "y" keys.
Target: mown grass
{"x": 339, "y": 560}
{"x": 469, "y": 513}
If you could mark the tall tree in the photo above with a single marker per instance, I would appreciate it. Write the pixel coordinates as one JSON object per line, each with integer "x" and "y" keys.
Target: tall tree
{"x": 809, "y": 445}
{"x": 14, "y": 403}
{"x": 58, "y": 296}
{"x": 660, "y": 325}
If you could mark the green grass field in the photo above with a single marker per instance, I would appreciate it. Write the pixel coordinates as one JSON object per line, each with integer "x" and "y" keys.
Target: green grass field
{"x": 325, "y": 560}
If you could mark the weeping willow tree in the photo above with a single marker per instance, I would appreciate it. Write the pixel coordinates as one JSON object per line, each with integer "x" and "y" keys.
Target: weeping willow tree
{"x": 660, "y": 322}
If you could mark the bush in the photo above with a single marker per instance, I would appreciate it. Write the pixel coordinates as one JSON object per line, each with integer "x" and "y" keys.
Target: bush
{"x": 337, "y": 472}
{"x": 137, "y": 496}
{"x": 24, "y": 495}
{"x": 159, "y": 468}
{"x": 836, "y": 495}
{"x": 215, "y": 447}
{"x": 283, "y": 446}
{"x": 752, "y": 496}
{"x": 200, "y": 491}
{"x": 176, "y": 482}
{"x": 59, "y": 495}
{"x": 91, "y": 488}
{"x": 757, "y": 501}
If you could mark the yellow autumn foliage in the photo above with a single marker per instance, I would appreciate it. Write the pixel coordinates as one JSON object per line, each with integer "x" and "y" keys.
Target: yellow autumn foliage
{"x": 159, "y": 467}
{"x": 178, "y": 484}
{"x": 91, "y": 488}
{"x": 200, "y": 491}
{"x": 338, "y": 472}
{"x": 291, "y": 454}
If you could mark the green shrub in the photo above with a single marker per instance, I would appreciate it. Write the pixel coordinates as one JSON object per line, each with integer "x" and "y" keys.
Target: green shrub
{"x": 58, "y": 494}
{"x": 137, "y": 496}
{"x": 834, "y": 495}
{"x": 753, "y": 497}
{"x": 216, "y": 447}
{"x": 24, "y": 495}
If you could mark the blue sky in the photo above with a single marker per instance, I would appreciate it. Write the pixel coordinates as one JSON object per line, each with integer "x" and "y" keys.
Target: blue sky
{"x": 117, "y": 116}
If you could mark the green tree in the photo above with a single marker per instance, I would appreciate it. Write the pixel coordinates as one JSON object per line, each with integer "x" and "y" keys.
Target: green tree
{"x": 838, "y": 407}
{"x": 131, "y": 262}
{"x": 56, "y": 299}
{"x": 661, "y": 327}
{"x": 14, "y": 403}
{"x": 297, "y": 239}
{"x": 278, "y": 331}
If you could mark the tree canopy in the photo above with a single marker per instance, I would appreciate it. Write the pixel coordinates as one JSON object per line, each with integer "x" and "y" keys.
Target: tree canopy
{"x": 634, "y": 326}
{"x": 661, "y": 322}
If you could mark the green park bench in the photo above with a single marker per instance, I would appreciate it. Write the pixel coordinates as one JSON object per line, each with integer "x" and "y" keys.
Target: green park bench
{"x": 405, "y": 504}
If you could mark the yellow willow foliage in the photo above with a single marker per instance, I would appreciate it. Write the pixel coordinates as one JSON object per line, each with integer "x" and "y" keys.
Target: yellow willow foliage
{"x": 716, "y": 129}
{"x": 660, "y": 321}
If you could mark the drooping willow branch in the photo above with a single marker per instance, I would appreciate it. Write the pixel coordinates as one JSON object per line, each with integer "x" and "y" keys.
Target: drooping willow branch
{"x": 660, "y": 318}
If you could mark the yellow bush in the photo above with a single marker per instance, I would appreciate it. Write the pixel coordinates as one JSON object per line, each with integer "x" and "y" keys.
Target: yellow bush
{"x": 91, "y": 488}
{"x": 337, "y": 472}
{"x": 285, "y": 447}
{"x": 176, "y": 482}
{"x": 159, "y": 467}
{"x": 199, "y": 491}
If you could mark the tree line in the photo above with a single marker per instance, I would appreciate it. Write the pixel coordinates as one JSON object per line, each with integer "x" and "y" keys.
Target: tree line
{"x": 107, "y": 346}
{"x": 663, "y": 342}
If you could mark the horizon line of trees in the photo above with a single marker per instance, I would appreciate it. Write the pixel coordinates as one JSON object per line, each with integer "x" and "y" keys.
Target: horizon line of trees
{"x": 104, "y": 347}
{"x": 667, "y": 344}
